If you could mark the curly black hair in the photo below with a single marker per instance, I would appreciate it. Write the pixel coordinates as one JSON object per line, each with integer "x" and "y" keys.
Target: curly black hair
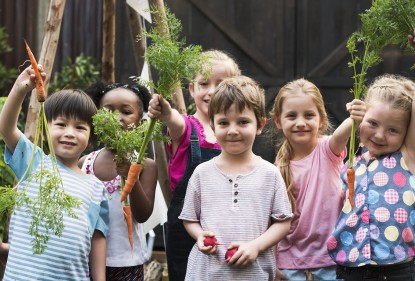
{"x": 98, "y": 90}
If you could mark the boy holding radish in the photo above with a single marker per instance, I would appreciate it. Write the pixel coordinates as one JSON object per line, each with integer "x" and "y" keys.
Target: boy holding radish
{"x": 126, "y": 248}
{"x": 192, "y": 142}
{"x": 238, "y": 197}
{"x": 82, "y": 242}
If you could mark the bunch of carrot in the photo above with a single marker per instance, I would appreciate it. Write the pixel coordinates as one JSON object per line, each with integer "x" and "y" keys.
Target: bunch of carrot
{"x": 40, "y": 89}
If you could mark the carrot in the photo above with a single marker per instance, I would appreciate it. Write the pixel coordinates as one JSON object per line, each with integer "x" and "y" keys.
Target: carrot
{"x": 350, "y": 185}
{"x": 133, "y": 173}
{"x": 40, "y": 89}
{"x": 129, "y": 219}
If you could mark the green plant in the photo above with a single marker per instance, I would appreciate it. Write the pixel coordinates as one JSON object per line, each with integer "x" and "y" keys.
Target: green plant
{"x": 171, "y": 58}
{"x": 7, "y": 75}
{"x": 79, "y": 74}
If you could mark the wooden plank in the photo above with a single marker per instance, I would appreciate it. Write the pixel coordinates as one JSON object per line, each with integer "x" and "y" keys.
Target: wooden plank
{"x": 236, "y": 37}
{"x": 332, "y": 60}
{"x": 108, "y": 42}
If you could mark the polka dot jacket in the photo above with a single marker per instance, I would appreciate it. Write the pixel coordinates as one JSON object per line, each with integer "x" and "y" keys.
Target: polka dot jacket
{"x": 380, "y": 228}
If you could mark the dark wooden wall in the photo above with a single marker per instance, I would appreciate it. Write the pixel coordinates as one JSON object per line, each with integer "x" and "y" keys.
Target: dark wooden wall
{"x": 274, "y": 41}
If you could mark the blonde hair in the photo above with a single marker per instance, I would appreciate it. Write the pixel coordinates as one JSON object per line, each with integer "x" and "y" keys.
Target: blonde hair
{"x": 299, "y": 87}
{"x": 223, "y": 57}
{"x": 396, "y": 90}
{"x": 241, "y": 91}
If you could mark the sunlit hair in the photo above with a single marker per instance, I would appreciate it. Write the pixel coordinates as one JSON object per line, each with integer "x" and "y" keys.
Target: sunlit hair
{"x": 297, "y": 88}
{"x": 395, "y": 90}
{"x": 98, "y": 90}
{"x": 214, "y": 56}
{"x": 71, "y": 104}
{"x": 241, "y": 91}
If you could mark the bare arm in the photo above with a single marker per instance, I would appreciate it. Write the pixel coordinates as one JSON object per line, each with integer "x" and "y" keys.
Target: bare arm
{"x": 160, "y": 108}
{"x": 9, "y": 115}
{"x": 338, "y": 141}
{"x": 4, "y": 249}
{"x": 97, "y": 256}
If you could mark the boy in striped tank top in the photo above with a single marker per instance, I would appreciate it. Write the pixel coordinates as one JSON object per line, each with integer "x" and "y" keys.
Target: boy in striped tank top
{"x": 82, "y": 244}
{"x": 236, "y": 197}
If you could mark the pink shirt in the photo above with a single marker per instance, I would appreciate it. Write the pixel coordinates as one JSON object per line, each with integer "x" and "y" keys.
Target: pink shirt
{"x": 319, "y": 197}
{"x": 178, "y": 161}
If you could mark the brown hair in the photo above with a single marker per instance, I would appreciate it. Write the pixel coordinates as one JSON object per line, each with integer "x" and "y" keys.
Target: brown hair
{"x": 299, "y": 87}
{"x": 396, "y": 90}
{"x": 241, "y": 91}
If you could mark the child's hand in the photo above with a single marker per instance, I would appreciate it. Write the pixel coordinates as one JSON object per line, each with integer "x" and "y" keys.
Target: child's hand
{"x": 26, "y": 80}
{"x": 245, "y": 256}
{"x": 207, "y": 250}
{"x": 159, "y": 108}
{"x": 122, "y": 168}
{"x": 411, "y": 40}
{"x": 357, "y": 110}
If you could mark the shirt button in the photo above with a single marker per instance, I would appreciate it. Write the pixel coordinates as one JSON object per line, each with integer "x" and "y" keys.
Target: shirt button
{"x": 236, "y": 193}
{"x": 235, "y": 201}
{"x": 230, "y": 180}
{"x": 235, "y": 185}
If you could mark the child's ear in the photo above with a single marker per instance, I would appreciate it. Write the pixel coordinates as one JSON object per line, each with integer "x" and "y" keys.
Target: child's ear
{"x": 261, "y": 125}
{"x": 191, "y": 88}
{"x": 277, "y": 123}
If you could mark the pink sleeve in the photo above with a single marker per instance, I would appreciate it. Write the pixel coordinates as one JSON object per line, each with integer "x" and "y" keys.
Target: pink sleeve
{"x": 178, "y": 161}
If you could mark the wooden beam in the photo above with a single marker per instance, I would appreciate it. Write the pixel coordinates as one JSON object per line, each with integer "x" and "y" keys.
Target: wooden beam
{"x": 136, "y": 28}
{"x": 46, "y": 59}
{"x": 236, "y": 37}
{"x": 108, "y": 42}
{"x": 330, "y": 61}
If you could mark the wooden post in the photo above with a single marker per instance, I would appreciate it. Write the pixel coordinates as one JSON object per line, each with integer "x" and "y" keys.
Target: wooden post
{"x": 46, "y": 59}
{"x": 108, "y": 42}
{"x": 136, "y": 28}
{"x": 177, "y": 97}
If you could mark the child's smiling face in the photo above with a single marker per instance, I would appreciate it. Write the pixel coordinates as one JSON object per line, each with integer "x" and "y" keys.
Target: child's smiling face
{"x": 383, "y": 128}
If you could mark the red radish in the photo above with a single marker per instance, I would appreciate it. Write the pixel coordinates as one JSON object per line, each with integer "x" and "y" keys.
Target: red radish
{"x": 229, "y": 253}
{"x": 210, "y": 241}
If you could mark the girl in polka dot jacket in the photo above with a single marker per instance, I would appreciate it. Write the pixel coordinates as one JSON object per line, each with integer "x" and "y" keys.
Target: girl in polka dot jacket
{"x": 374, "y": 240}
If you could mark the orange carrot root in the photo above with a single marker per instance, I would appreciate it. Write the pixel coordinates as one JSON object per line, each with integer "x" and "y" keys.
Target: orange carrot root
{"x": 40, "y": 89}
{"x": 133, "y": 173}
{"x": 129, "y": 219}
{"x": 350, "y": 185}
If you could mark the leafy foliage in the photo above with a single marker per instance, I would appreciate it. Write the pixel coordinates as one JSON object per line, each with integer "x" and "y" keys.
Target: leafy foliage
{"x": 169, "y": 56}
{"x": 7, "y": 75}
{"x": 123, "y": 142}
{"x": 76, "y": 74}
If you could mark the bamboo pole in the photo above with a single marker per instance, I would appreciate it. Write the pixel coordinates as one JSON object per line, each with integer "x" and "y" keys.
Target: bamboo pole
{"x": 46, "y": 59}
{"x": 108, "y": 42}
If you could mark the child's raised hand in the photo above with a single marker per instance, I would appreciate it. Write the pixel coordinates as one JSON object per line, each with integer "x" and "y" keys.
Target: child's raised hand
{"x": 26, "y": 80}
{"x": 208, "y": 250}
{"x": 245, "y": 255}
{"x": 159, "y": 108}
{"x": 357, "y": 110}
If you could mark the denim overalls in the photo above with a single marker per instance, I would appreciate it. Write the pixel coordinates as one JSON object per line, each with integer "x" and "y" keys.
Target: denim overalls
{"x": 179, "y": 243}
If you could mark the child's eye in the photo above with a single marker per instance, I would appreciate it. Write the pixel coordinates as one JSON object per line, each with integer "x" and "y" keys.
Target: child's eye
{"x": 244, "y": 122}
{"x": 203, "y": 83}
{"x": 126, "y": 112}
{"x": 393, "y": 131}
{"x": 310, "y": 115}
